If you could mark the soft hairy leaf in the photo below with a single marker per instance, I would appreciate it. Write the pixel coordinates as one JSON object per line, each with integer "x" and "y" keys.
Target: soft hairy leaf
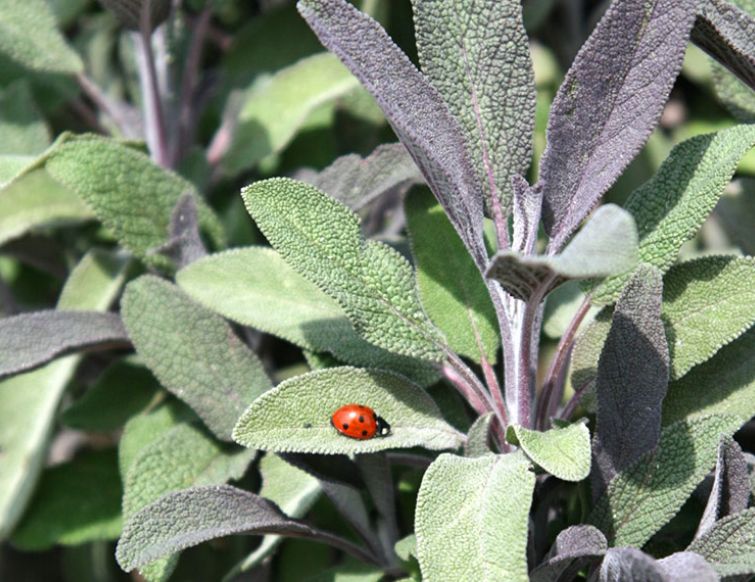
{"x": 730, "y": 545}
{"x": 563, "y": 452}
{"x": 415, "y": 110}
{"x": 632, "y": 379}
{"x": 23, "y": 129}
{"x": 353, "y": 572}
{"x": 478, "y": 437}
{"x": 373, "y": 283}
{"x": 185, "y": 243}
{"x": 308, "y": 401}
{"x": 193, "y": 352}
{"x": 477, "y": 56}
{"x": 254, "y": 286}
{"x": 574, "y": 547}
{"x": 684, "y": 566}
{"x": 608, "y": 105}
{"x": 451, "y": 288}
{"x": 671, "y": 206}
{"x": 30, "y": 401}
{"x": 607, "y": 245}
{"x": 272, "y": 112}
{"x": 75, "y": 503}
{"x": 31, "y": 339}
{"x": 629, "y": 565}
{"x": 707, "y": 303}
{"x": 471, "y": 520}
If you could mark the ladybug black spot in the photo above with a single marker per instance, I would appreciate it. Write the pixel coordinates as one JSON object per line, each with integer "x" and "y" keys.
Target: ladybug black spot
{"x": 364, "y": 433}
{"x": 361, "y": 419}
{"x": 308, "y": 425}
{"x": 345, "y": 426}
{"x": 374, "y": 417}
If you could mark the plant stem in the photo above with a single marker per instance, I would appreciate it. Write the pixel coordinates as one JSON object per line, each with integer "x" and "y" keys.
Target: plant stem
{"x": 574, "y": 401}
{"x": 106, "y": 105}
{"x": 467, "y": 391}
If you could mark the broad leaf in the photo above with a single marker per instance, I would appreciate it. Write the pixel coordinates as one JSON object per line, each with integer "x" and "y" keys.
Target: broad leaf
{"x": 607, "y": 245}
{"x": 185, "y": 243}
{"x": 478, "y": 436}
{"x": 307, "y": 403}
{"x": 629, "y": 565}
{"x": 24, "y": 131}
{"x": 480, "y": 63}
{"x": 608, "y": 105}
{"x": 730, "y": 545}
{"x": 320, "y": 238}
{"x": 193, "y": 352}
{"x": 671, "y": 206}
{"x": 563, "y": 452}
{"x": 414, "y": 109}
{"x": 254, "y": 286}
{"x": 472, "y": 515}
{"x": 684, "y": 566}
{"x": 451, "y": 288}
{"x": 31, "y": 339}
{"x": 573, "y": 549}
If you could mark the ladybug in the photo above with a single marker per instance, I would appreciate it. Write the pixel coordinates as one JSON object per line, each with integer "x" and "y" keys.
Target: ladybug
{"x": 360, "y": 422}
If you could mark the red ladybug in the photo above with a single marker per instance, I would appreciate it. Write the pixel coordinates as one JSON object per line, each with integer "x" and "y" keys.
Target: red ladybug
{"x": 359, "y": 422}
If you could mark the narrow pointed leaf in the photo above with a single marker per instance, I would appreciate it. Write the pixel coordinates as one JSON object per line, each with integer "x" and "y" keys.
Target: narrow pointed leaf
{"x": 563, "y": 452}
{"x": 670, "y": 208}
{"x": 307, "y": 402}
{"x": 632, "y": 379}
{"x": 730, "y": 545}
{"x": 609, "y": 103}
{"x": 193, "y": 352}
{"x": 471, "y": 520}
{"x": 480, "y": 63}
{"x": 414, "y": 109}
{"x": 478, "y": 437}
{"x": 574, "y": 547}
{"x": 629, "y": 565}
{"x": 373, "y": 283}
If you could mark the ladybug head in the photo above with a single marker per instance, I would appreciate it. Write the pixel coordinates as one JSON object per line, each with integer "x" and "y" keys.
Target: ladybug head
{"x": 383, "y": 428}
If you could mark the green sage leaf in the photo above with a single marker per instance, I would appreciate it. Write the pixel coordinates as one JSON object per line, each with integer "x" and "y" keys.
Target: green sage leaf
{"x": 563, "y": 452}
{"x": 730, "y": 545}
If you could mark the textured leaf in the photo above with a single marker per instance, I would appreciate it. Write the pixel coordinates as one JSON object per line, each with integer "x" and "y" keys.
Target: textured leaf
{"x": 30, "y": 401}
{"x": 185, "y": 243}
{"x": 452, "y": 291}
{"x": 730, "y": 545}
{"x": 307, "y": 403}
{"x": 414, "y": 109}
{"x": 23, "y": 129}
{"x": 632, "y": 379}
{"x": 629, "y": 565}
{"x": 733, "y": 94}
{"x": 478, "y": 437}
{"x": 609, "y": 103}
{"x": 131, "y": 196}
{"x": 254, "y": 286}
{"x": 31, "y": 339}
{"x": 574, "y": 547}
{"x": 320, "y": 238}
{"x": 75, "y": 503}
{"x": 480, "y": 63}
{"x": 736, "y": 212}
{"x": 684, "y": 566}
{"x": 471, "y": 520}
{"x": 731, "y": 486}
{"x": 671, "y": 207}
{"x": 354, "y": 572}
{"x": 193, "y": 352}
{"x": 272, "y": 112}
{"x": 563, "y": 452}
{"x": 606, "y": 245}
{"x": 697, "y": 326}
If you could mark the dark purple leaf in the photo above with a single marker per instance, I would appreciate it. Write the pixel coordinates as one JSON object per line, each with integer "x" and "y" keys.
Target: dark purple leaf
{"x": 686, "y": 566}
{"x": 633, "y": 373}
{"x": 573, "y": 549}
{"x": 415, "y": 110}
{"x": 185, "y": 244}
{"x": 31, "y": 339}
{"x": 608, "y": 104}
{"x": 630, "y": 565}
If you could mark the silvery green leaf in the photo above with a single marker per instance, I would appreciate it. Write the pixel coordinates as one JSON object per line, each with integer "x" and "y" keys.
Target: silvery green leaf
{"x": 733, "y": 94}
{"x": 480, "y": 63}
{"x": 414, "y": 109}
{"x": 629, "y": 565}
{"x": 349, "y": 572}
{"x": 24, "y": 130}
{"x": 373, "y": 283}
{"x": 608, "y": 105}
{"x": 478, "y": 436}
{"x": 562, "y": 451}
{"x": 607, "y": 245}
{"x": 472, "y": 516}
{"x": 574, "y": 547}
{"x": 308, "y": 401}
{"x": 730, "y": 545}
{"x": 193, "y": 352}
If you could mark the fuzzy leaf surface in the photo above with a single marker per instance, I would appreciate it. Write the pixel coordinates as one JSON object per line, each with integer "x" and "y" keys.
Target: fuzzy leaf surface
{"x": 254, "y": 286}
{"x": 412, "y": 106}
{"x": 563, "y": 452}
{"x": 308, "y": 401}
{"x": 608, "y": 105}
{"x": 730, "y": 545}
{"x": 193, "y": 352}
{"x": 22, "y": 126}
{"x": 574, "y": 547}
{"x": 451, "y": 288}
{"x": 478, "y": 436}
{"x": 480, "y": 63}
{"x": 471, "y": 520}
{"x": 684, "y": 566}
{"x": 373, "y": 283}
{"x": 670, "y": 208}
{"x": 629, "y": 565}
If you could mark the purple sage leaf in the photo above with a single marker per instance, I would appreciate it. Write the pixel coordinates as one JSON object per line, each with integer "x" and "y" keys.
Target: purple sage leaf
{"x": 685, "y": 566}
{"x": 185, "y": 243}
{"x": 630, "y": 565}
{"x": 574, "y": 548}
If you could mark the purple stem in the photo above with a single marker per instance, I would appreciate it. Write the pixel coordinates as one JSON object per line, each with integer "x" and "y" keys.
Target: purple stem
{"x": 574, "y": 401}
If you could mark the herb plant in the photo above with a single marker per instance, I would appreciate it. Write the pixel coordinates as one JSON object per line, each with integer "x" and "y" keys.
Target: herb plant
{"x": 609, "y": 455}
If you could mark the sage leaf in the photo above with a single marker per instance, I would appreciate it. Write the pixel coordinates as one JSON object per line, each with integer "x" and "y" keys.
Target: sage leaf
{"x": 129, "y": 12}
{"x": 629, "y": 565}
{"x": 415, "y": 110}
{"x": 730, "y": 545}
{"x": 733, "y": 94}
{"x": 563, "y": 452}
{"x": 481, "y": 66}
{"x": 373, "y": 283}
{"x": 193, "y": 352}
{"x": 185, "y": 243}
{"x": 608, "y": 105}
{"x": 471, "y": 520}
{"x": 451, "y": 288}
{"x": 308, "y": 401}
{"x": 684, "y": 566}
{"x": 22, "y": 126}
{"x": 574, "y": 547}
{"x": 478, "y": 436}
